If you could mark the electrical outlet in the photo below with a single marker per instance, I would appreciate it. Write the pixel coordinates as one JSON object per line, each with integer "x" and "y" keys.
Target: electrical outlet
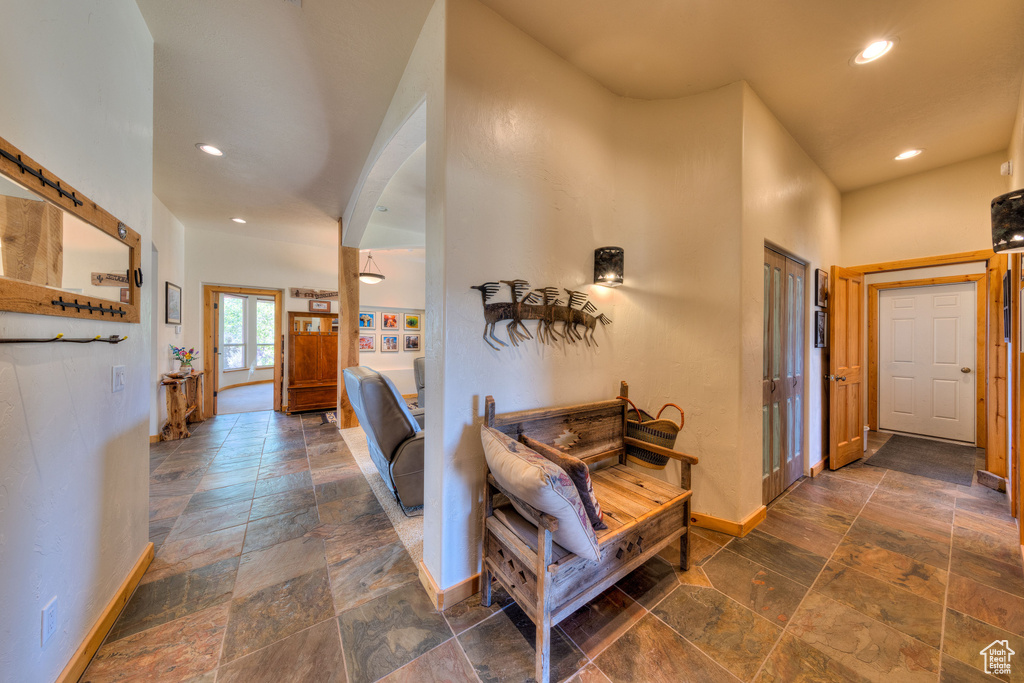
{"x": 118, "y": 379}
{"x": 49, "y": 619}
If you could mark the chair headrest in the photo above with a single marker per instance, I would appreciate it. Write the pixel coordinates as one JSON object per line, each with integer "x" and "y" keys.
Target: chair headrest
{"x": 381, "y": 410}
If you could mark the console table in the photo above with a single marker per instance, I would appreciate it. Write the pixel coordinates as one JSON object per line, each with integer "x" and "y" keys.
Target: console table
{"x": 184, "y": 404}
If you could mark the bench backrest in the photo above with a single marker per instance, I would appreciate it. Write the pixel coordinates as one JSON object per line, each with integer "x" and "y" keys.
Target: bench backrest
{"x": 590, "y": 431}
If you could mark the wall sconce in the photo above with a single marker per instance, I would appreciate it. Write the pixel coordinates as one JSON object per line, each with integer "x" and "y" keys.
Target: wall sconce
{"x": 367, "y": 274}
{"x": 1008, "y": 222}
{"x": 608, "y": 266}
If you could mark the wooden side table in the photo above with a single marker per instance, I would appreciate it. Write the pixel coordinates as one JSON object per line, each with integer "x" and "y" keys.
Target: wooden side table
{"x": 184, "y": 405}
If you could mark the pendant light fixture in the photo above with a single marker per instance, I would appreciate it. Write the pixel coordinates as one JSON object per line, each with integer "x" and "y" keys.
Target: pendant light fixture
{"x": 367, "y": 274}
{"x": 1008, "y": 222}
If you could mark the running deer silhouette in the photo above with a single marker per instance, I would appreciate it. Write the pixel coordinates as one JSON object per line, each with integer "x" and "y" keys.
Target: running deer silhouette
{"x": 542, "y": 305}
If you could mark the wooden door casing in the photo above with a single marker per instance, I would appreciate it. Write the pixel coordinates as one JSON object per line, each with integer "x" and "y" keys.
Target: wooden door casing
{"x": 845, "y": 327}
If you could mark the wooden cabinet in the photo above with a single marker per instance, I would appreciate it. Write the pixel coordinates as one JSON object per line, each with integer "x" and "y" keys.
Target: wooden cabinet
{"x": 312, "y": 361}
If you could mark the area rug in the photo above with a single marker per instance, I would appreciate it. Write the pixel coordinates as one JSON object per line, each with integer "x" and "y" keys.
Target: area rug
{"x": 933, "y": 459}
{"x": 410, "y": 529}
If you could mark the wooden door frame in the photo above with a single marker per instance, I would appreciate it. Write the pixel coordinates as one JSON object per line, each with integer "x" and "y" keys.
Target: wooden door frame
{"x": 211, "y": 322}
{"x": 980, "y": 281}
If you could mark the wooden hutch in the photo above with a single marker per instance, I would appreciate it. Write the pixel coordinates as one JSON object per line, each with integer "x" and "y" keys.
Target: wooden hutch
{"x": 312, "y": 361}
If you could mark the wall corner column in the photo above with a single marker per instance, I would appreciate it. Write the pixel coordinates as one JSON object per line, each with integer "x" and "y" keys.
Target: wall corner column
{"x": 348, "y": 325}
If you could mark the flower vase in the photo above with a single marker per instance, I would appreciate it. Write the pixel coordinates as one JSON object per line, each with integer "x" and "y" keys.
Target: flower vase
{"x": 186, "y": 368}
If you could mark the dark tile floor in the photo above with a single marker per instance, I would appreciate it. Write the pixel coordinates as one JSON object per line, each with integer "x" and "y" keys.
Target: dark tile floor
{"x": 276, "y": 563}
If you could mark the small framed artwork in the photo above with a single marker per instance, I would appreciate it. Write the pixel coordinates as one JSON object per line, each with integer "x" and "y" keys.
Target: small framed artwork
{"x": 389, "y": 321}
{"x": 334, "y": 325}
{"x": 412, "y": 342}
{"x": 172, "y": 312}
{"x": 412, "y": 321}
{"x": 820, "y": 288}
{"x": 367, "y": 320}
{"x": 820, "y": 329}
{"x": 125, "y": 297}
{"x": 389, "y": 343}
{"x": 367, "y": 342}
{"x": 317, "y": 306}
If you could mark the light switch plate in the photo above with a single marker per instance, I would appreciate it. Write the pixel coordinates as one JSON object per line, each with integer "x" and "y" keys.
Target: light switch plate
{"x": 177, "y": 329}
{"x": 119, "y": 377}
{"x": 49, "y": 626}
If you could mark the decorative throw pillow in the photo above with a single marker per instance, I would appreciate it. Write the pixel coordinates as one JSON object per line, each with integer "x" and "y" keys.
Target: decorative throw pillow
{"x": 580, "y": 475}
{"x": 544, "y": 485}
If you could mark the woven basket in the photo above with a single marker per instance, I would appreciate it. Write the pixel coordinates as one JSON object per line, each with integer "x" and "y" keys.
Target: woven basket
{"x": 653, "y": 430}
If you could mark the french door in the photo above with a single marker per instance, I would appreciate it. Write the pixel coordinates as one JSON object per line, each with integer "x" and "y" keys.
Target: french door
{"x": 782, "y": 411}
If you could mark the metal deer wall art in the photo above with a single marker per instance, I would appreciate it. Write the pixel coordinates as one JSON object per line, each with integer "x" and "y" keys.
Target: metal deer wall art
{"x": 544, "y": 306}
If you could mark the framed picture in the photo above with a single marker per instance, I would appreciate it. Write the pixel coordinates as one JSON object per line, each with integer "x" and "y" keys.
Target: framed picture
{"x": 172, "y": 312}
{"x": 367, "y": 342}
{"x": 412, "y": 321}
{"x": 317, "y": 306}
{"x": 820, "y": 288}
{"x": 367, "y": 320}
{"x": 820, "y": 329}
{"x": 389, "y": 343}
{"x": 389, "y": 321}
{"x": 334, "y": 325}
{"x": 412, "y": 342}
{"x": 125, "y": 297}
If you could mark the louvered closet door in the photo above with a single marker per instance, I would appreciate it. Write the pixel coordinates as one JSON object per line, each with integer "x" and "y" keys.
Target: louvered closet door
{"x": 782, "y": 410}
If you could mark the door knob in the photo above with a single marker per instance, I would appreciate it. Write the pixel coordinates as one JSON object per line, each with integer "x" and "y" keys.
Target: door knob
{"x": 965, "y": 370}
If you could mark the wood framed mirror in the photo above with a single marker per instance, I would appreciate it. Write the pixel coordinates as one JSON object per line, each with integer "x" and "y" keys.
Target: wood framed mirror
{"x": 60, "y": 253}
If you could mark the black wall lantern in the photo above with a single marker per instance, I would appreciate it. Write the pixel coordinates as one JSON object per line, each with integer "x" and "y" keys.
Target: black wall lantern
{"x": 608, "y": 266}
{"x": 1008, "y": 222}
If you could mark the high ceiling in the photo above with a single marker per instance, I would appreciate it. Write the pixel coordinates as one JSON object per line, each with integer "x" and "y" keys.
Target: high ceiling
{"x": 295, "y": 95}
{"x": 950, "y": 85}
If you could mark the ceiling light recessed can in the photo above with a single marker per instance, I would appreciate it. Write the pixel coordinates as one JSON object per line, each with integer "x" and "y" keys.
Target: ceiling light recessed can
{"x": 909, "y": 154}
{"x": 875, "y": 50}
{"x": 209, "y": 149}
{"x": 238, "y": 220}
{"x": 382, "y": 208}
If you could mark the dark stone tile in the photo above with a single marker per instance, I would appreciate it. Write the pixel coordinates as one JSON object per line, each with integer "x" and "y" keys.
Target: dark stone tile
{"x": 766, "y": 592}
{"x": 371, "y": 573}
{"x": 938, "y": 508}
{"x": 955, "y": 671}
{"x": 176, "y": 596}
{"x": 802, "y": 533}
{"x": 344, "y": 541}
{"x": 310, "y": 655}
{"x": 233, "y": 463}
{"x": 853, "y": 491}
{"x": 284, "y": 441}
{"x": 993, "y": 573}
{"x": 502, "y": 649}
{"x": 1002, "y": 547}
{"x": 276, "y": 612}
{"x": 867, "y": 647}
{"x": 208, "y": 520}
{"x": 268, "y": 531}
{"x": 899, "y": 570}
{"x": 733, "y": 636}
{"x": 602, "y": 621}
{"x": 778, "y": 555}
{"x": 650, "y": 583}
{"x": 470, "y": 612}
{"x": 651, "y": 651}
{"x": 351, "y": 509}
{"x": 280, "y": 503}
{"x": 933, "y": 528}
{"x": 794, "y": 661}
{"x": 278, "y": 563}
{"x": 298, "y": 480}
{"x": 907, "y": 543}
{"x": 167, "y": 507}
{"x": 389, "y": 632}
{"x": 158, "y": 530}
{"x": 271, "y": 470}
{"x": 177, "y": 487}
{"x": 895, "y": 607}
{"x": 175, "y": 557}
{"x": 218, "y": 480}
{"x": 343, "y": 490}
{"x": 220, "y": 497}
{"x": 825, "y": 517}
{"x": 966, "y": 637}
{"x": 589, "y": 674}
{"x": 860, "y": 473}
{"x": 825, "y": 497}
{"x": 444, "y": 664}
{"x": 986, "y": 604}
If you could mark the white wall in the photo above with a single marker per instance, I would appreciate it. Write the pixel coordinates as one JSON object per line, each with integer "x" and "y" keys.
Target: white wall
{"x": 169, "y": 240}
{"x": 943, "y": 211}
{"x": 1016, "y": 152}
{"x": 74, "y": 461}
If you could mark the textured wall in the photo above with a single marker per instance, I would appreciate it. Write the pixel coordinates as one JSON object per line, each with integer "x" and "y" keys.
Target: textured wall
{"x": 78, "y": 93}
{"x": 169, "y": 243}
{"x": 1016, "y": 154}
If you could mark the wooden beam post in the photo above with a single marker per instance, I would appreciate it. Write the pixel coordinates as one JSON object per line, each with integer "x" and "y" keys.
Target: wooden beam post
{"x": 348, "y": 325}
{"x": 996, "y": 370}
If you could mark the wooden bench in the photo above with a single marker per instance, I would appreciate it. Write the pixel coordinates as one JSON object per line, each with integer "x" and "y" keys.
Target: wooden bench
{"x": 643, "y": 514}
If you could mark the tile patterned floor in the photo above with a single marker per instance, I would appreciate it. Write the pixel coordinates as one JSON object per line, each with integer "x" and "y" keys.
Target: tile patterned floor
{"x": 276, "y": 563}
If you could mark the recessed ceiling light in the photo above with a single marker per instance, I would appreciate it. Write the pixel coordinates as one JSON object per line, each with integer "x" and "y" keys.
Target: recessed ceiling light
{"x": 877, "y": 49}
{"x": 209, "y": 149}
{"x": 238, "y": 220}
{"x": 909, "y": 154}
{"x": 382, "y": 208}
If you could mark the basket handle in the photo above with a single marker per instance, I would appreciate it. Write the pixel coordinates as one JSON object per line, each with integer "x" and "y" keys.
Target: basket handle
{"x": 682, "y": 416}
{"x": 640, "y": 416}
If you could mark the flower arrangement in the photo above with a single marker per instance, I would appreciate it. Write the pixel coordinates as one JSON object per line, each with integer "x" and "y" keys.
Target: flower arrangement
{"x": 186, "y": 357}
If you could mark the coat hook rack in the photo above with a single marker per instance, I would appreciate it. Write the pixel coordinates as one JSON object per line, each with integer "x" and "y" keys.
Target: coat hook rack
{"x": 112, "y": 339}
{"x": 46, "y": 182}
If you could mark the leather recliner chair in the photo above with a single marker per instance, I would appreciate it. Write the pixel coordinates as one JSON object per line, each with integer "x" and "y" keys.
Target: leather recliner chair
{"x": 419, "y": 370}
{"x": 393, "y": 432}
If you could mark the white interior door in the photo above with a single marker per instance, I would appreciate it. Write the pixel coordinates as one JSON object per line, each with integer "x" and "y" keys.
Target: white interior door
{"x": 926, "y": 360}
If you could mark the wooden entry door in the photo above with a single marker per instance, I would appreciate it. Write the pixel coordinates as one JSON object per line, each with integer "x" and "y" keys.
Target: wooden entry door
{"x": 846, "y": 376}
{"x": 782, "y": 408}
